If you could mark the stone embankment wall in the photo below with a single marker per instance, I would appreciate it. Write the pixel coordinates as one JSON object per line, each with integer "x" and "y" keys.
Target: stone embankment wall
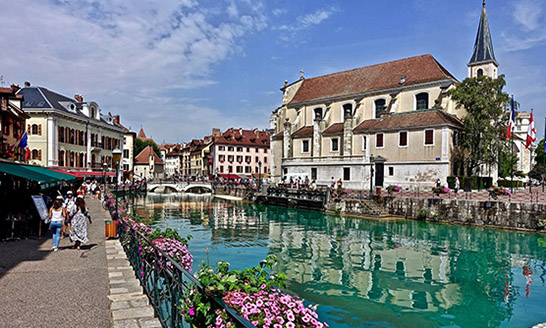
{"x": 234, "y": 191}
{"x": 521, "y": 216}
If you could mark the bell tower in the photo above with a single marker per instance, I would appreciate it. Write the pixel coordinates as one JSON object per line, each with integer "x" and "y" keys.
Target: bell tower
{"x": 483, "y": 60}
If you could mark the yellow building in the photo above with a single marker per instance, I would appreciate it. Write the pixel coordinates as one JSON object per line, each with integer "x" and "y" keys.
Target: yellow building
{"x": 69, "y": 133}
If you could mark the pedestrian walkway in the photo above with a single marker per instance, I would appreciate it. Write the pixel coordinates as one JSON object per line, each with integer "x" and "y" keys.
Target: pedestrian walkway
{"x": 68, "y": 288}
{"x": 130, "y": 307}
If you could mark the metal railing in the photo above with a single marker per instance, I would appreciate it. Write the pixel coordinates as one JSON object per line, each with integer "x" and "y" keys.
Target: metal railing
{"x": 164, "y": 281}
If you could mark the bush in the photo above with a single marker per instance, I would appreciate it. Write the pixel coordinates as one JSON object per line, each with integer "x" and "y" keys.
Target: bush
{"x": 422, "y": 214}
{"x": 470, "y": 183}
{"x": 507, "y": 183}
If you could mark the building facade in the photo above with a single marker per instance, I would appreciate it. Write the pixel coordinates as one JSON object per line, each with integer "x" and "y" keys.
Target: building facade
{"x": 148, "y": 165}
{"x": 128, "y": 157}
{"x": 12, "y": 124}
{"x": 68, "y": 133}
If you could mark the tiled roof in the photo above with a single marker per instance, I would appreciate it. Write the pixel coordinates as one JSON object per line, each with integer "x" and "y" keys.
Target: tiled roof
{"x": 335, "y": 128}
{"x": 240, "y": 137}
{"x": 305, "y": 131}
{"x": 419, "y": 69}
{"x": 413, "y": 119}
{"x": 144, "y": 156}
{"x": 279, "y": 135}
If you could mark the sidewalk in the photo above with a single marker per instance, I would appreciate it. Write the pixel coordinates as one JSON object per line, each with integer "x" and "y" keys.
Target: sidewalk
{"x": 68, "y": 288}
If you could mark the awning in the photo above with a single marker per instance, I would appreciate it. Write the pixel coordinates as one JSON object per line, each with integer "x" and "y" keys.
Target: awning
{"x": 258, "y": 176}
{"x": 230, "y": 176}
{"x": 54, "y": 174}
{"x": 23, "y": 171}
{"x": 83, "y": 174}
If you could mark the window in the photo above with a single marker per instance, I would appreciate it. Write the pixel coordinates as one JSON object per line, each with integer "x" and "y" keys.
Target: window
{"x": 239, "y": 148}
{"x": 248, "y": 149}
{"x": 248, "y": 169}
{"x": 230, "y": 158}
{"x": 93, "y": 112}
{"x": 61, "y": 157}
{"x": 221, "y": 158}
{"x": 429, "y": 137}
{"x": 380, "y": 107}
{"x": 346, "y": 173}
{"x": 61, "y": 134}
{"x": 265, "y": 150}
{"x": 347, "y": 111}
{"x": 239, "y": 169}
{"x": 248, "y": 159}
{"x": 318, "y": 113}
{"x": 230, "y": 148}
{"x": 35, "y": 130}
{"x": 265, "y": 160}
{"x": 36, "y": 154}
{"x": 403, "y": 139}
{"x": 221, "y": 148}
{"x": 479, "y": 72}
{"x": 391, "y": 170}
{"x": 313, "y": 173}
{"x": 126, "y": 153}
{"x": 364, "y": 142}
{"x": 257, "y": 159}
{"x": 221, "y": 169}
{"x": 305, "y": 146}
{"x": 334, "y": 144}
{"x": 239, "y": 158}
{"x": 379, "y": 140}
{"x": 421, "y": 100}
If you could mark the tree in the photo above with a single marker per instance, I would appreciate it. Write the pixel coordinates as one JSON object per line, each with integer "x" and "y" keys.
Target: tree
{"x": 140, "y": 145}
{"x": 485, "y": 122}
{"x": 538, "y": 169}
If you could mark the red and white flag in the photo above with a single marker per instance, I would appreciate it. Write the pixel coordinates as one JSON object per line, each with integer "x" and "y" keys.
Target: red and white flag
{"x": 531, "y": 132}
{"x": 512, "y": 121}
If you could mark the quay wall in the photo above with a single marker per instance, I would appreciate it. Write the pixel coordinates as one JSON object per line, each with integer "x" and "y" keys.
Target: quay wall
{"x": 520, "y": 216}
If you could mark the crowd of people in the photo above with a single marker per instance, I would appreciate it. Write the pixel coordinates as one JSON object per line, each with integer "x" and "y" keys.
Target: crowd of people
{"x": 68, "y": 215}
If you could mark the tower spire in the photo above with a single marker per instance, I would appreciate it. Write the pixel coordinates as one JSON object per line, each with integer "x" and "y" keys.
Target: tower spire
{"x": 483, "y": 46}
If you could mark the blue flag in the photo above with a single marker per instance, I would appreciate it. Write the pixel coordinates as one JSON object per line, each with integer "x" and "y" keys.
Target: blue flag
{"x": 22, "y": 142}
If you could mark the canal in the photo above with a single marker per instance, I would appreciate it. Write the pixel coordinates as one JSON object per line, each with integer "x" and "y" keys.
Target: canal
{"x": 372, "y": 273}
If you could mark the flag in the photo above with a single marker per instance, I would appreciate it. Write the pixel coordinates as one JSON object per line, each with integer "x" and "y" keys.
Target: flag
{"x": 531, "y": 133}
{"x": 22, "y": 142}
{"x": 512, "y": 121}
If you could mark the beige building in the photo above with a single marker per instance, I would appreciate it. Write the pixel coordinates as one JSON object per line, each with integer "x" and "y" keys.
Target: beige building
{"x": 148, "y": 165}
{"x": 128, "y": 157}
{"x": 68, "y": 133}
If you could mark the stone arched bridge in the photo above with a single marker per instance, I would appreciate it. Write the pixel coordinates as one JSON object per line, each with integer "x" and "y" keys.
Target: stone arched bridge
{"x": 178, "y": 186}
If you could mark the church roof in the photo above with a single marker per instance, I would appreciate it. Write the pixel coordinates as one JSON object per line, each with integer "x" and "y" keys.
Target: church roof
{"x": 406, "y": 120}
{"x": 483, "y": 47}
{"x": 141, "y": 134}
{"x": 358, "y": 81}
{"x": 144, "y": 156}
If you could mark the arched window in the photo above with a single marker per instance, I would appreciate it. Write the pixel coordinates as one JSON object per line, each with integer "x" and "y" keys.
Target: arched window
{"x": 380, "y": 107}
{"x": 35, "y": 154}
{"x": 318, "y": 113}
{"x": 92, "y": 112}
{"x": 347, "y": 111}
{"x": 35, "y": 129}
{"x": 479, "y": 72}
{"x": 421, "y": 101}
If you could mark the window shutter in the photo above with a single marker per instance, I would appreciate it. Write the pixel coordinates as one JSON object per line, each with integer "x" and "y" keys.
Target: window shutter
{"x": 39, "y": 154}
{"x": 39, "y": 129}
{"x": 29, "y": 129}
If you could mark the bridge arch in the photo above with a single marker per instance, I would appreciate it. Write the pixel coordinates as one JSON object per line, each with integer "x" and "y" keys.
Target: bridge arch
{"x": 197, "y": 186}
{"x": 165, "y": 187}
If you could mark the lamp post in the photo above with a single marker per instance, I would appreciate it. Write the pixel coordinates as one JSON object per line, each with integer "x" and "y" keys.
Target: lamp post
{"x": 104, "y": 168}
{"x": 116, "y": 154}
{"x": 371, "y": 175}
{"x": 259, "y": 175}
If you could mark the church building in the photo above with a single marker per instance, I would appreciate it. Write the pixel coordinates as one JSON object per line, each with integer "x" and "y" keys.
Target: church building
{"x": 389, "y": 123}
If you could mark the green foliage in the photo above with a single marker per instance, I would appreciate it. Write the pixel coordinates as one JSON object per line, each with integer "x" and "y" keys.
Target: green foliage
{"x": 470, "y": 183}
{"x": 541, "y": 223}
{"x": 537, "y": 172}
{"x": 422, "y": 214}
{"x": 171, "y": 234}
{"x": 507, "y": 183}
{"x": 140, "y": 145}
{"x": 485, "y": 104}
{"x": 539, "y": 153}
{"x": 436, "y": 216}
{"x": 197, "y": 309}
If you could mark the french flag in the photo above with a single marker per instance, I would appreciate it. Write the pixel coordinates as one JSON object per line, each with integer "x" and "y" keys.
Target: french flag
{"x": 531, "y": 132}
{"x": 512, "y": 121}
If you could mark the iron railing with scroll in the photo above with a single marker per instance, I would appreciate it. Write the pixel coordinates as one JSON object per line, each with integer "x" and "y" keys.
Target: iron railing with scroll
{"x": 164, "y": 281}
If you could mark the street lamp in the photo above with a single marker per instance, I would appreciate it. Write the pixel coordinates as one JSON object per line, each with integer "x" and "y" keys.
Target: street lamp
{"x": 371, "y": 175}
{"x": 104, "y": 168}
{"x": 116, "y": 154}
{"x": 259, "y": 175}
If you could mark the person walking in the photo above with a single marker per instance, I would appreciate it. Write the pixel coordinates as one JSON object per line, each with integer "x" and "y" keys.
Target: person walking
{"x": 78, "y": 230}
{"x": 457, "y": 185}
{"x": 57, "y": 216}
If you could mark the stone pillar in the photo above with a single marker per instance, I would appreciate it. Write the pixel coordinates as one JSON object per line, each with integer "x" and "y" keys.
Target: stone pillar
{"x": 316, "y": 138}
{"x": 287, "y": 142}
{"x": 52, "y": 142}
{"x": 348, "y": 134}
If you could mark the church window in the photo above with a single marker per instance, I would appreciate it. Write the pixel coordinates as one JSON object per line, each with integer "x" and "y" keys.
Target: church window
{"x": 364, "y": 141}
{"x": 347, "y": 111}
{"x": 479, "y": 73}
{"x": 318, "y": 113}
{"x": 380, "y": 107}
{"x": 334, "y": 145}
{"x": 305, "y": 146}
{"x": 379, "y": 140}
{"x": 421, "y": 101}
{"x": 429, "y": 137}
{"x": 403, "y": 139}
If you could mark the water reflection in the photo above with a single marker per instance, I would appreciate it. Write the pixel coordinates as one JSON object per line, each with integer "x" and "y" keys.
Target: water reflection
{"x": 374, "y": 273}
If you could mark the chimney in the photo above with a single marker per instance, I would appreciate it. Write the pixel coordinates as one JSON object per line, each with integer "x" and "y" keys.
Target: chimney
{"x": 27, "y": 84}
{"x": 78, "y": 97}
{"x": 216, "y": 132}
{"x": 116, "y": 119}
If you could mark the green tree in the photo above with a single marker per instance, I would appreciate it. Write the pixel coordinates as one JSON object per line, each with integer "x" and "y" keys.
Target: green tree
{"x": 484, "y": 123}
{"x": 140, "y": 145}
{"x": 538, "y": 169}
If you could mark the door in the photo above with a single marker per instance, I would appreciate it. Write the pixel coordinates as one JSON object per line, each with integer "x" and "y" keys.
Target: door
{"x": 379, "y": 174}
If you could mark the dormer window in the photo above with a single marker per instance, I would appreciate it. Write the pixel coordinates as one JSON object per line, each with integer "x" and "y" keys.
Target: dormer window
{"x": 421, "y": 101}
{"x": 347, "y": 111}
{"x": 380, "y": 107}
{"x": 93, "y": 112}
{"x": 318, "y": 113}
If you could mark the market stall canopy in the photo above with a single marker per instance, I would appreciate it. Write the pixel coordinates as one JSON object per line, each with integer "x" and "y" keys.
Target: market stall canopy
{"x": 53, "y": 173}
{"x": 86, "y": 174}
{"x": 26, "y": 172}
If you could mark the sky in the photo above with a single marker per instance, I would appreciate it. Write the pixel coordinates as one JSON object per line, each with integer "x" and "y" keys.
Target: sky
{"x": 179, "y": 68}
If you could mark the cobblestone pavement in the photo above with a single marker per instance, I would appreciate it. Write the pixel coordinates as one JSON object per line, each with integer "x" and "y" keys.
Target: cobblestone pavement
{"x": 68, "y": 288}
{"x": 130, "y": 307}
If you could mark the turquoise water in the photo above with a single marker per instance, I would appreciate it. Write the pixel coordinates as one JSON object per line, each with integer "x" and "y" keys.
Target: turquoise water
{"x": 373, "y": 273}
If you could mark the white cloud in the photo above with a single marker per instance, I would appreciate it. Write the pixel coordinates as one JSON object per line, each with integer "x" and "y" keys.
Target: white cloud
{"x": 131, "y": 56}
{"x": 304, "y": 22}
{"x": 528, "y": 13}
{"x": 529, "y": 30}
